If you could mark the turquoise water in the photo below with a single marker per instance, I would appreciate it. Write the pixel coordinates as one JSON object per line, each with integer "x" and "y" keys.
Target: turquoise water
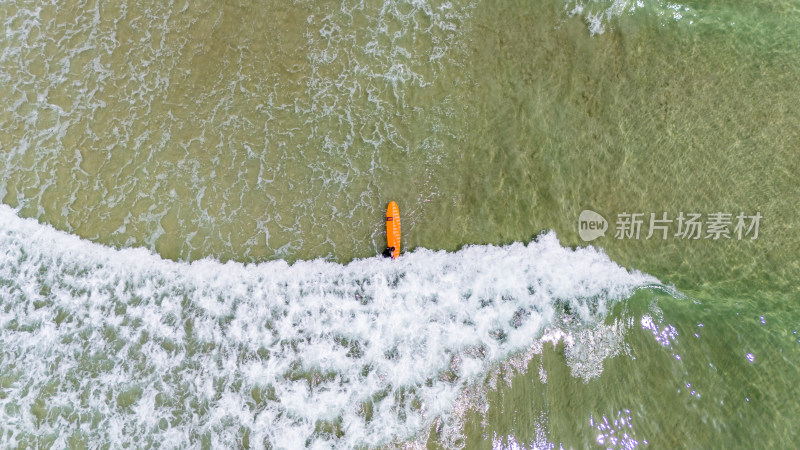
{"x": 195, "y": 193}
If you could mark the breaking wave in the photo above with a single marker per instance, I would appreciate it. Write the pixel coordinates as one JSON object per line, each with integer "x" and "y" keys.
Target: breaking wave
{"x": 127, "y": 348}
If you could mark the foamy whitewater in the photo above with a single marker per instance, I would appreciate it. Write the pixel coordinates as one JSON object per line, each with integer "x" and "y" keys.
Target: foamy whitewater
{"x": 127, "y": 348}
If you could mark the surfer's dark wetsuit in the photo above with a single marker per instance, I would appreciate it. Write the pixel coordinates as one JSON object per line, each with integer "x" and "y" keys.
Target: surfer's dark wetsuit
{"x": 388, "y": 252}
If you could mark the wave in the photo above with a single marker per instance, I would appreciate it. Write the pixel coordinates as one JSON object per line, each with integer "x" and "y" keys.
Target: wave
{"x": 126, "y": 348}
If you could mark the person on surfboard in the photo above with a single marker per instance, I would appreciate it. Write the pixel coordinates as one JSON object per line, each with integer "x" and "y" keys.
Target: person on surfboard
{"x": 392, "y": 231}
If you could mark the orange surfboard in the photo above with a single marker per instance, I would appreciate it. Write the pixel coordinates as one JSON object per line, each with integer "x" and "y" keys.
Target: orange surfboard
{"x": 393, "y": 228}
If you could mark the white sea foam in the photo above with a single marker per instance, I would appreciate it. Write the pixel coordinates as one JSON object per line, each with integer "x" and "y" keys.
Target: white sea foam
{"x": 599, "y": 14}
{"x": 123, "y": 347}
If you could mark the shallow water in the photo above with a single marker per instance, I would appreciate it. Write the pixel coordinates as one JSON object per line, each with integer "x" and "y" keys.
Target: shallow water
{"x": 265, "y": 134}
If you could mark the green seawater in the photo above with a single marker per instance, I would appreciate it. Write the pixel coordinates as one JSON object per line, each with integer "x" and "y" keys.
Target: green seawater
{"x": 652, "y": 117}
{"x": 254, "y": 131}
